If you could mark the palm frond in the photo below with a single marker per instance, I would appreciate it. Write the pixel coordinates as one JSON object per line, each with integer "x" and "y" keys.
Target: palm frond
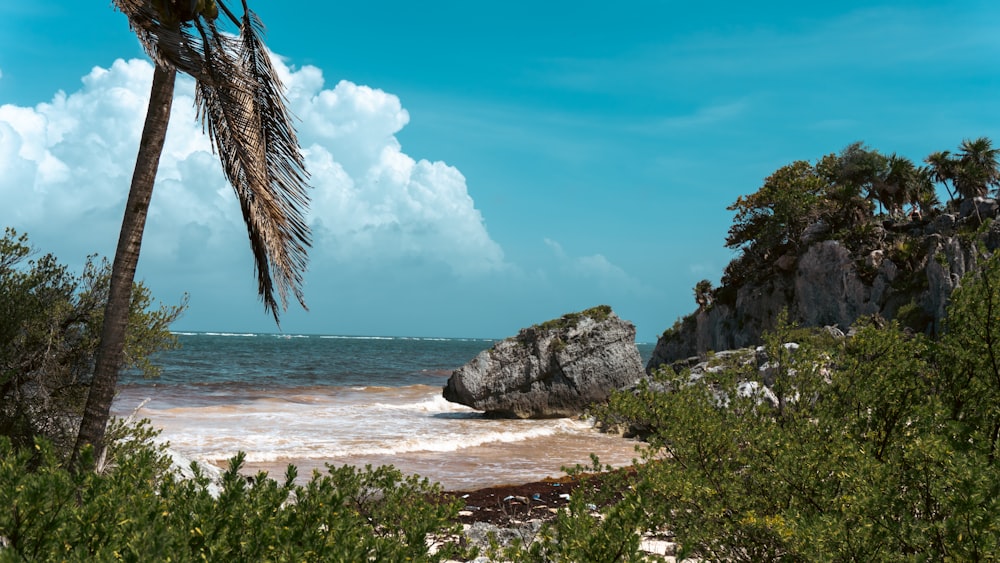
{"x": 168, "y": 43}
{"x": 243, "y": 111}
{"x": 285, "y": 165}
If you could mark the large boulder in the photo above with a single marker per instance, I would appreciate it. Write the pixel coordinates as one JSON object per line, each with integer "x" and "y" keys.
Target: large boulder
{"x": 555, "y": 369}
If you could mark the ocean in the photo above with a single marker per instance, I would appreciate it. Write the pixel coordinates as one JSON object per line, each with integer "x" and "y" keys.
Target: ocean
{"x": 311, "y": 400}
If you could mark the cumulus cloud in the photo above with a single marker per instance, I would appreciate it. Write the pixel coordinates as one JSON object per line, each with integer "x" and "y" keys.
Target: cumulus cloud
{"x": 66, "y": 164}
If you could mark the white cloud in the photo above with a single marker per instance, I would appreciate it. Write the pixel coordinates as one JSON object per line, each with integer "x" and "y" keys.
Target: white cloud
{"x": 596, "y": 268}
{"x": 705, "y": 116}
{"x": 374, "y": 201}
{"x": 67, "y": 165}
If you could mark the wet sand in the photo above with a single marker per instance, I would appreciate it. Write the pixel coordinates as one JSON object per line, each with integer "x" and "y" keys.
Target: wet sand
{"x": 488, "y": 465}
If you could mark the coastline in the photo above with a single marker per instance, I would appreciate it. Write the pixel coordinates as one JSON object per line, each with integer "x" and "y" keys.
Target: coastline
{"x": 492, "y": 464}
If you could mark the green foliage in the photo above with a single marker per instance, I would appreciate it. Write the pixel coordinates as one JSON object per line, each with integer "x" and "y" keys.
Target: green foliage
{"x": 571, "y": 320}
{"x": 577, "y": 534}
{"x": 835, "y": 198}
{"x": 50, "y": 324}
{"x": 914, "y": 317}
{"x": 139, "y": 511}
{"x": 703, "y": 294}
{"x": 769, "y": 221}
{"x": 970, "y": 358}
{"x": 880, "y": 447}
{"x": 974, "y": 171}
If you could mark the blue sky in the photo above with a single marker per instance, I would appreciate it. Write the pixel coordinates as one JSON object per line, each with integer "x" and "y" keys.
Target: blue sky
{"x": 478, "y": 168}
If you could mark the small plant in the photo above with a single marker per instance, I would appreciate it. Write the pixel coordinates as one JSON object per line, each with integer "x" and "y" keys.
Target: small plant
{"x": 571, "y": 320}
{"x": 703, "y": 294}
{"x": 914, "y": 317}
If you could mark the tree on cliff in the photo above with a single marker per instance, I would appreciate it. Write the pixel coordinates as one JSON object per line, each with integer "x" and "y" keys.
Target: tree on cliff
{"x": 977, "y": 170}
{"x": 858, "y": 169}
{"x": 769, "y": 221}
{"x": 241, "y": 104}
{"x": 942, "y": 170}
{"x": 972, "y": 172}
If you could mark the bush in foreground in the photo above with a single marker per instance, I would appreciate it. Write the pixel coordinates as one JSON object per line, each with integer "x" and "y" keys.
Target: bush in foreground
{"x": 883, "y": 446}
{"x": 139, "y": 510}
{"x": 879, "y": 447}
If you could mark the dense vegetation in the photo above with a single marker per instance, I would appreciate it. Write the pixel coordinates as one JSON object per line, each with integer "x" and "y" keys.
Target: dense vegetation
{"x": 882, "y": 446}
{"x": 131, "y": 505}
{"x": 50, "y": 324}
{"x": 878, "y": 446}
{"x": 837, "y": 198}
{"x": 139, "y": 510}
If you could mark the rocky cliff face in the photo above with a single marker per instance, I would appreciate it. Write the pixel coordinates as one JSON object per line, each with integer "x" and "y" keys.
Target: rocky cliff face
{"x": 550, "y": 370}
{"x": 909, "y": 278}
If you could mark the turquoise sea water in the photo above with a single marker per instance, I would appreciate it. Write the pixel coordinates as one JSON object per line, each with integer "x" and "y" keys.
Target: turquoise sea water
{"x": 312, "y": 400}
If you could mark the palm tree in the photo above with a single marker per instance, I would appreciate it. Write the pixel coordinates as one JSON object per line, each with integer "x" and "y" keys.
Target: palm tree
{"x": 922, "y": 197}
{"x": 942, "y": 168}
{"x": 862, "y": 169}
{"x": 242, "y": 108}
{"x": 896, "y": 183}
{"x": 977, "y": 169}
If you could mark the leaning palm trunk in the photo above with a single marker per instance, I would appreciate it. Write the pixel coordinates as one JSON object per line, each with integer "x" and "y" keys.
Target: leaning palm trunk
{"x": 116, "y": 313}
{"x": 241, "y": 106}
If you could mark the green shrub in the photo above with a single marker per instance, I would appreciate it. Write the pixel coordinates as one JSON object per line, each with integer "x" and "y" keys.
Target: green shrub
{"x": 880, "y": 447}
{"x": 577, "y": 535}
{"x": 50, "y": 325}
{"x": 915, "y": 317}
{"x": 571, "y": 320}
{"x": 139, "y": 511}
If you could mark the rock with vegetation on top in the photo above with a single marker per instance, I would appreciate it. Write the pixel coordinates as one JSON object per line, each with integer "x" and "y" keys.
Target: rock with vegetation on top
{"x": 909, "y": 276}
{"x": 555, "y": 369}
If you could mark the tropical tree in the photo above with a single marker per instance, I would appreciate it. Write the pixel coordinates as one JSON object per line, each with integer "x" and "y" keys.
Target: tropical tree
{"x": 241, "y": 105}
{"x": 901, "y": 184}
{"x": 922, "y": 195}
{"x": 942, "y": 169}
{"x": 847, "y": 191}
{"x": 860, "y": 168}
{"x": 977, "y": 169}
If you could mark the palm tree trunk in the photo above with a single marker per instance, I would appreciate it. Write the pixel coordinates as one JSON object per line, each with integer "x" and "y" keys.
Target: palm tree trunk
{"x": 111, "y": 350}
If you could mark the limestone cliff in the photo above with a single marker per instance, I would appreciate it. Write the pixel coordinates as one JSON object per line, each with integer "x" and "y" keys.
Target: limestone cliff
{"x": 909, "y": 276}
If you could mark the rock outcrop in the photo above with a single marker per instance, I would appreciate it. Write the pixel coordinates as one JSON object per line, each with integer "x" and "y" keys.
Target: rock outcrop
{"x": 551, "y": 370}
{"x": 909, "y": 278}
